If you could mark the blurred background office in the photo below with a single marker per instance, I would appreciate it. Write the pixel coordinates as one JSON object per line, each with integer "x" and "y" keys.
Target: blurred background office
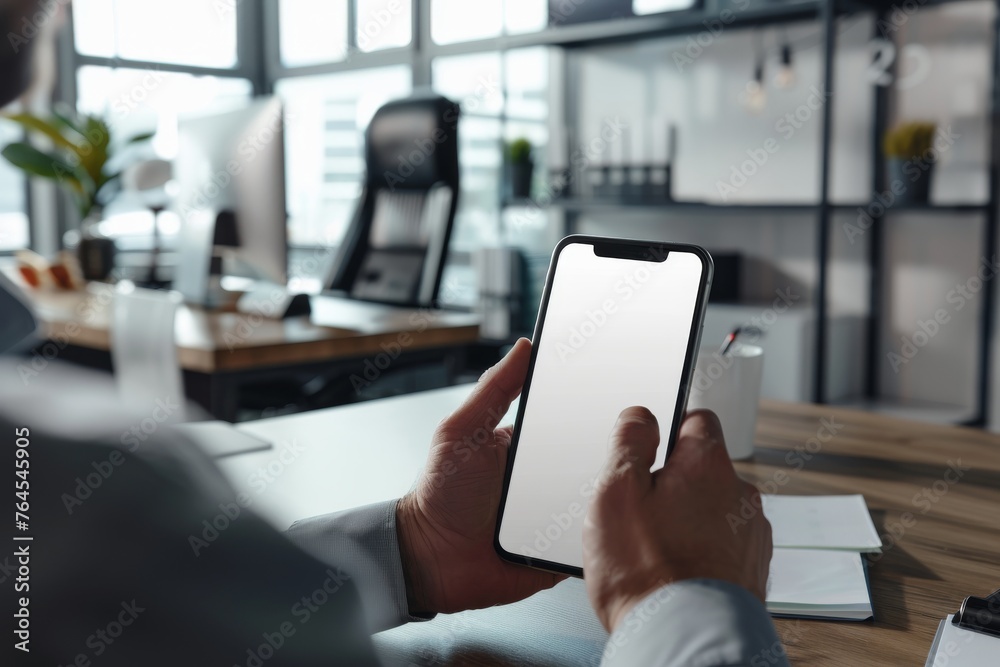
{"x": 838, "y": 158}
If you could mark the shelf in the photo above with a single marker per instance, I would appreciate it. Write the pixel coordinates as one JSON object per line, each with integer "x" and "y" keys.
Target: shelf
{"x": 922, "y": 411}
{"x": 579, "y": 204}
{"x": 574, "y": 204}
{"x": 682, "y": 23}
{"x": 918, "y": 208}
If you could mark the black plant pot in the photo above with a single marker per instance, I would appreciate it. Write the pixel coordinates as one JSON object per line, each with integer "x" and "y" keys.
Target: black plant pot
{"x": 519, "y": 175}
{"x": 911, "y": 179}
{"x": 97, "y": 256}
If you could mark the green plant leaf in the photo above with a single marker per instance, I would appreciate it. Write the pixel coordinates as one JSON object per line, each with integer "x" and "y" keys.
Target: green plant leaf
{"x": 42, "y": 126}
{"x": 29, "y": 159}
{"x": 62, "y": 116}
{"x": 519, "y": 151}
{"x": 94, "y": 153}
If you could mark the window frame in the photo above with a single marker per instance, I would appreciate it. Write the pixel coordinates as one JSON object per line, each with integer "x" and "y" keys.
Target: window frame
{"x": 259, "y": 61}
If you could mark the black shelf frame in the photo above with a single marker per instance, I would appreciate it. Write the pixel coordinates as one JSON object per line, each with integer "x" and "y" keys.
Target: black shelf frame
{"x": 826, "y": 12}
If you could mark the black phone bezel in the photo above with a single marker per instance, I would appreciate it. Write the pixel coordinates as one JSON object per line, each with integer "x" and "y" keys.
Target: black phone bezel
{"x": 627, "y": 249}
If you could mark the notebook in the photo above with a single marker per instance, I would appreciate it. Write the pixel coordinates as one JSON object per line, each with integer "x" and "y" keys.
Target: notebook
{"x": 817, "y": 583}
{"x": 821, "y": 522}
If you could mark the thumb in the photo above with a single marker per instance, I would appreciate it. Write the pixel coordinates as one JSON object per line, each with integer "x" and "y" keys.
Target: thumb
{"x": 497, "y": 389}
{"x": 634, "y": 440}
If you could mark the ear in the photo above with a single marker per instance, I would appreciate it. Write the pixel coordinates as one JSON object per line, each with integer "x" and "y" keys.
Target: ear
{"x": 19, "y": 324}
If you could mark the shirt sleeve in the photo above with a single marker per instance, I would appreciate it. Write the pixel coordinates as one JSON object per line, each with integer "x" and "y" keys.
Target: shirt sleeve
{"x": 696, "y": 623}
{"x": 363, "y": 542}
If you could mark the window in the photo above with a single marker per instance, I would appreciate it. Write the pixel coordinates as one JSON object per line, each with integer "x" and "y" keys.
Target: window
{"x": 135, "y": 101}
{"x": 312, "y": 31}
{"x": 333, "y": 63}
{"x": 13, "y": 220}
{"x": 503, "y": 98}
{"x": 142, "y": 100}
{"x": 641, "y": 7}
{"x": 383, "y": 24}
{"x": 179, "y": 39}
{"x": 455, "y": 21}
{"x": 326, "y": 116}
{"x": 180, "y": 32}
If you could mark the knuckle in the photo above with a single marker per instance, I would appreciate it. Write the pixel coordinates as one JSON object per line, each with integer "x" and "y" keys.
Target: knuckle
{"x": 631, "y": 429}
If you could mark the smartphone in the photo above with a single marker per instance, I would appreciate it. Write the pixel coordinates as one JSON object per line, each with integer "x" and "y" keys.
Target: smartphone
{"x": 619, "y": 325}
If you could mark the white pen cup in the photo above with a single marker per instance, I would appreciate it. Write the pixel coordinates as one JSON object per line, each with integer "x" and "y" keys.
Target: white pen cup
{"x": 729, "y": 385}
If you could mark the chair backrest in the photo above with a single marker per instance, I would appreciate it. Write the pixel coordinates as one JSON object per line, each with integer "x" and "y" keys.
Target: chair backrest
{"x": 395, "y": 248}
{"x": 144, "y": 348}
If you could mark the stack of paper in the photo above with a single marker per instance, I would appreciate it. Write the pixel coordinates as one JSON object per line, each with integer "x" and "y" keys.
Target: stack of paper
{"x": 817, "y": 570}
{"x": 957, "y": 646}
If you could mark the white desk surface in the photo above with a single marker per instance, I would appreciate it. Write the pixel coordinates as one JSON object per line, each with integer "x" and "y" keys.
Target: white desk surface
{"x": 369, "y": 452}
{"x": 334, "y": 459}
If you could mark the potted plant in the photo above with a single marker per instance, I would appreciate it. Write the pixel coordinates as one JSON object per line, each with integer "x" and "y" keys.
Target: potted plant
{"x": 80, "y": 149}
{"x": 520, "y": 168}
{"x": 909, "y": 148}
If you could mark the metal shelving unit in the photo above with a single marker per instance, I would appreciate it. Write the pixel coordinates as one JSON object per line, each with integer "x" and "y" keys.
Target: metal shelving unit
{"x": 826, "y": 12}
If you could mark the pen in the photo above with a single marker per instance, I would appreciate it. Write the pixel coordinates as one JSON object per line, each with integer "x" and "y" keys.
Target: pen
{"x": 729, "y": 340}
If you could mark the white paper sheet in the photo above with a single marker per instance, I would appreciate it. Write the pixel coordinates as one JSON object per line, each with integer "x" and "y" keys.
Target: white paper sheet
{"x": 955, "y": 647}
{"x": 821, "y": 522}
{"x": 818, "y": 583}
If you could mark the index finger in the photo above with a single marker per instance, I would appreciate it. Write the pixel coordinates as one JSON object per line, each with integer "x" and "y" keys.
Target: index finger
{"x": 699, "y": 438}
{"x": 634, "y": 440}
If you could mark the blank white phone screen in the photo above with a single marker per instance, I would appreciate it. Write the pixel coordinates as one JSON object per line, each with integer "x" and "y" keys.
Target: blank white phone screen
{"x": 615, "y": 334}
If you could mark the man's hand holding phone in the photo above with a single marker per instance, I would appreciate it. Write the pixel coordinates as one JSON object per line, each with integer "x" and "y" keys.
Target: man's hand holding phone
{"x": 445, "y": 525}
{"x": 645, "y": 530}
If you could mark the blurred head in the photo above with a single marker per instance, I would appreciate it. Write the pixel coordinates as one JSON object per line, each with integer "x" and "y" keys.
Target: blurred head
{"x": 20, "y": 23}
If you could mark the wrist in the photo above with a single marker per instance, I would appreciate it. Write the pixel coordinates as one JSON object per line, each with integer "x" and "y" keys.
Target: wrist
{"x": 412, "y": 550}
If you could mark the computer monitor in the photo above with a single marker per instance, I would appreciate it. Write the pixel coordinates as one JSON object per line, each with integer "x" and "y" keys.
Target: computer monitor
{"x": 232, "y": 162}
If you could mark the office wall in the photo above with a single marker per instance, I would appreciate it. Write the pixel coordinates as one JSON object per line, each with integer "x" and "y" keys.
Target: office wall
{"x": 945, "y": 78}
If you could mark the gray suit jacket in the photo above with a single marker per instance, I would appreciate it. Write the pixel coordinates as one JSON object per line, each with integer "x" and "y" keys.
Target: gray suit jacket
{"x": 146, "y": 557}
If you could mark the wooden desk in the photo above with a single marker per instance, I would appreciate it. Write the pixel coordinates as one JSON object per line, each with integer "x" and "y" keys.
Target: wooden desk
{"x": 948, "y": 543}
{"x": 220, "y": 350}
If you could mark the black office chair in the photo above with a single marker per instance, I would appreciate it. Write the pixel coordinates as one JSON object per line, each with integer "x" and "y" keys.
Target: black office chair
{"x": 396, "y": 246}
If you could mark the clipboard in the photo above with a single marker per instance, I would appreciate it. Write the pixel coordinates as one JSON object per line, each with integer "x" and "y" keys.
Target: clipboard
{"x": 969, "y": 637}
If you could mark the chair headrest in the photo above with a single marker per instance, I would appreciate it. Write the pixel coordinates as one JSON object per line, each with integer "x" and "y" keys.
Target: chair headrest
{"x": 412, "y": 144}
